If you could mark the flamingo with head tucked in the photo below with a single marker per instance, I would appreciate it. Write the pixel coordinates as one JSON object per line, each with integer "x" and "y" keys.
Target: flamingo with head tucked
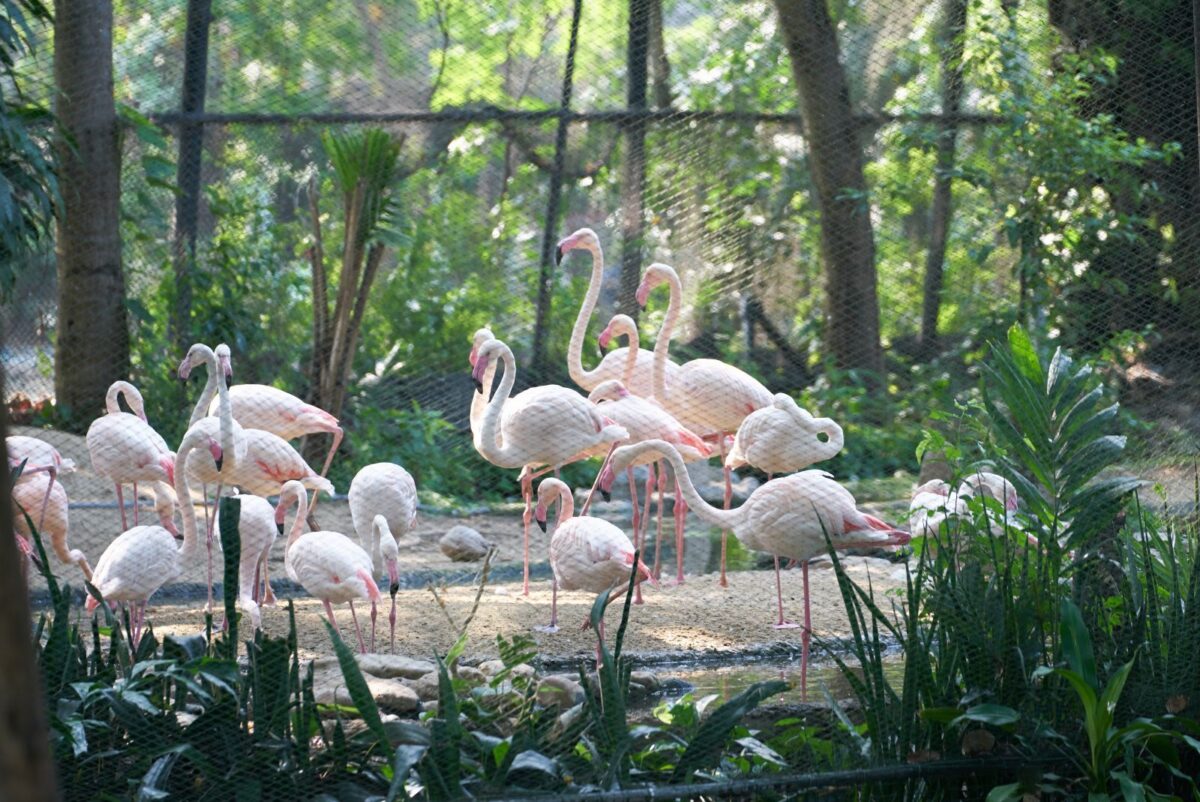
{"x": 787, "y": 517}
{"x": 784, "y": 437}
{"x": 612, "y": 366}
{"x": 125, "y": 449}
{"x": 586, "y": 553}
{"x": 27, "y": 496}
{"x": 542, "y": 426}
{"x": 708, "y": 396}
{"x": 37, "y": 456}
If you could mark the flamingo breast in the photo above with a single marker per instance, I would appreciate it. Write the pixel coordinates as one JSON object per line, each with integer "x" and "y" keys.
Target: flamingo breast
{"x": 590, "y": 554}
{"x": 328, "y": 565}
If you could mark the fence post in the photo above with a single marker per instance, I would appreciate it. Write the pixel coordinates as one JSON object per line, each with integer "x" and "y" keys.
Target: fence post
{"x": 537, "y": 362}
{"x": 191, "y": 150}
{"x": 633, "y": 163}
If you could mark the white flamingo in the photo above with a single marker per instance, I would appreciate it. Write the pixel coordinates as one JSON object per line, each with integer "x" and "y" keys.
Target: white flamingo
{"x": 708, "y": 396}
{"x": 125, "y": 449}
{"x": 328, "y": 565}
{"x": 784, "y": 437}
{"x": 586, "y": 553}
{"x": 612, "y": 365}
{"x": 542, "y": 426}
{"x": 260, "y": 406}
{"x": 38, "y": 456}
{"x": 934, "y": 502}
{"x": 787, "y": 517}
{"x": 382, "y": 488}
{"x": 256, "y": 532}
{"x": 27, "y": 496}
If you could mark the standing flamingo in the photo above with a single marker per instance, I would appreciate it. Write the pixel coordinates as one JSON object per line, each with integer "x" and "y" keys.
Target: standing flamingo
{"x": 934, "y": 502}
{"x": 586, "y": 553}
{"x": 26, "y": 496}
{"x": 787, "y": 517}
{"x": 708, "y": 396}
{"x": 479, "y": 399}
{"x": 784, "y": 437}
{"x": 143, "y": 559}
{"x": 382, "y": 488}
{"x": 328, "y": 565}
{"x": 38, "y": 456}
{"x": 125, "y": 449}
{"x": 612, "y": 365}
{"x": 271, "y": 461}
{"x": 541, "y": 426}
{"x": 260, "y": 406}
{"x": 256, "y": 532}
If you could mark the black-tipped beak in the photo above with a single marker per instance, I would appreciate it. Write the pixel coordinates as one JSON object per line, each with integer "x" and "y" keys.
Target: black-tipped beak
{"x": 603, "y": 351}
{"x": 220, "y": 461}
{"x": 541, "y": 525}
{"x": 607, "y": 496}
{"x": 280, "y": 528}
{"x": 558, "y": 255}
{"x": 478, "y": 385}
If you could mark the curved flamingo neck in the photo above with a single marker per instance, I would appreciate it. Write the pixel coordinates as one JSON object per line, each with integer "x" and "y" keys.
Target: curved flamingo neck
{"x": 726, "y": 519}
{"x": 479, "y": 402}
{"x": 586, "y": 378}
{"x": 489, "y": 443}
{"x": 211, "y": 388}
{"x": 662, "y": 344}
{"x": 225, "y": 415}
{"x": 632, "y": 344}
{"x": 837, "y": 439}
{"x": 301, "y": 502}
{"x": 566, "y": 505}
{"x": 132, "y": 397}
{"x": 183, "y": 492}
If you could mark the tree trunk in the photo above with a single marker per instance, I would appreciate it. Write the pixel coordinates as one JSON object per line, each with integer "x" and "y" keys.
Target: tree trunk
{"x": 26, "y": 767}
{"x": 939, "y": 216}
{"x": 633, "y": 159}
{"x": 93, "y": 339}
{"x": 836, "y": 161}
{"x": 660, "y": 67}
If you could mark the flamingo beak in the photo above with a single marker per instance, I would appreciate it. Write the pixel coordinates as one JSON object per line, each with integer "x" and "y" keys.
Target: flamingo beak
{"x": 279, "y": 526}
{"x": 185, "y": 368}
{"x": 218, "y": 454}
{"x": 558, "y": 254}
{"x": 539, "y": 515}
{"x": 477, "y": 373}
{"x": 394, "y": 578}
{"x": 643, "y": 293}
{"x": 471, "y": 356}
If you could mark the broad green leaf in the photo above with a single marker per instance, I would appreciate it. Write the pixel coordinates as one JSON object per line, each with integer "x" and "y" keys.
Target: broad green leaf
{"x": 706, "y": 746}
{"x": 1077, "y": 644}
{"x": 1024, "y": 354}
{"x": 996, "y": 715}
{"x": 1005, "y": 793}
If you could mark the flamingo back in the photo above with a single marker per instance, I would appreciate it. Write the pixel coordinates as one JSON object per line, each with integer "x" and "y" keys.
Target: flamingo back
{"x": 135, "y": 565}
{"x": 590, "y": 554}
{"x": 709, "y": 396}
{"x": 386, "y": 489}
{"x": 330, "y": 566}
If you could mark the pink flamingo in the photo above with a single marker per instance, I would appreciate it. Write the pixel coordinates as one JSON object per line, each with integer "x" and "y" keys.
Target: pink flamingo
{"x": 934, "y": 502}
{"x": 784, "y": 437}
{"x": 383, "y": 506}
{"x": 257, "y": 532}
{"x": 479, "y": 399}
{"x": 125, "y": 449}
{"x": 586, "y": 553}
{"x": 786, "y": 517}
{"x": 55, "y": 521}
{"x": 260, "y": 406}
{"x": 611, "y": 367}
{"x": 542, "y": 426}
{"x": 143, "y": 559}
{"x": 270, "y": 462}
{"x": 38, "y": 456}
{"x": 708, "y": 396}
{"x": 328, "y": 565}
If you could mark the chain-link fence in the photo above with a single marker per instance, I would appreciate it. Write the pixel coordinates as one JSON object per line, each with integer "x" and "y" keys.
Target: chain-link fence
{"x": 379, "y": 207}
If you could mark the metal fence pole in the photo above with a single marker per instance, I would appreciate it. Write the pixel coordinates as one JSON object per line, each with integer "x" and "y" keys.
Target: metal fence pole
{"x": 191, "y": 150}
{"x": 537, "y": 362}
{"x": 633, "y": 162}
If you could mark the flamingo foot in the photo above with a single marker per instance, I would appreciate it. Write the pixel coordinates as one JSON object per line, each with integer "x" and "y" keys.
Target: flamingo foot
{"x": 787, "y": 625}
{"x": 549, "y": 629}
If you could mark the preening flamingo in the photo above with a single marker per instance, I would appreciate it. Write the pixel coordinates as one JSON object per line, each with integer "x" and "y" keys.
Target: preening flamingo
{"x": 143, "y": 559}
{"x": 542, "y": 426}
{"x": 27, "y": 496}
{"x": 257, "y": 532}
{"x": 271, "y": 461}
{"x": 385, "y": 543}
{"x": 38, "y": 457}
{"x": 934, "y": 502}
{"x": 328, "y": 565}
{"x": 708, "y": 396}
{"x": 787, "y": 517}
{"x": 784, "y": 437}
{"x": 612, "y": 365}
{"x": 586, "y": 553}
{"x": 386, "y": 489}
{"x": 260, "y": 406}
{"x": 125, "y": 449}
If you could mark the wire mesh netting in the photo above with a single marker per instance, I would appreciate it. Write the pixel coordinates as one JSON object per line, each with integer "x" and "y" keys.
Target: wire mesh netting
{"x": 427, "y": 256}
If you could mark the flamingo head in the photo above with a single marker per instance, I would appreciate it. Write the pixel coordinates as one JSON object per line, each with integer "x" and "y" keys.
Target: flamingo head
{"x": 604, "y": 484}
{"x": 393, "y": 576}
{"x": 482, "y": 357}
{"x": 539, "y": 515}
{"x": 583, "y": 238}
{"x": 549, "y": 491}
{"x": 218, "y": 454}
{"x": 608, "y": 390}
{"x": 223, "y": 354}
{"x": 655, "y": 275}
{"x": 481, "y": 336}
{"x": 195, "y": 357}
{"x": 935, "y": 486}
{"x": 280, "y": 509}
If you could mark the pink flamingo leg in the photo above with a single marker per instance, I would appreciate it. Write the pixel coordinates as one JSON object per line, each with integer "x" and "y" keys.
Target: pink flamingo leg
{"x": 362, "y": 647}
{"x": 780, "y": 623}
{"x": 637, "y": 522}
{"x": 53, "y": 471}
{"x": 121, "y": 504}
{"x": 661, "y": 481}
{"x": 209, "y": 543}
{"x": 680, "y": 512}
{"x": 329, "y": 612}
{"x": 374, "y": 611}
{"x": 637, "y": 596}
{"x": 268, "y": 594}
{"x": 804, "y": 638}
{"x": 135, "y": 504}
{"x": 338, "y": 434}
{"x": 728, "y": 499}
{"x": 552, "y": 627}
{"x": 392, "y": 625}
{"x": 527, "y": 516}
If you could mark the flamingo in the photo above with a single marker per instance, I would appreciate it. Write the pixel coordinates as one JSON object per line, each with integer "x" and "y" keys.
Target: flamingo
{"x": 143, "y": 559}
{"x": 541, "y": 426}
{"x": 55, "y": 520}
{"x": 586, "y": 553}
{"x": 328, "y": 565}
{"x": 787, "y": 517}
{"x": 270, "y": 462}
{"x": 934, "y": 502}
{"x": 256, "y": 532}
{"x": 784, "y": 437}
{"x": 611, "y": 366}
{"x": 260, "y": 406}
{"x": 222, "y": 429}
{"x": 37, "y": 456}
{"x": 382, "y": 488}
{"x": 708, "y": 396}
{"x": 125, "y": 449}
{"x": 479, "y": 399}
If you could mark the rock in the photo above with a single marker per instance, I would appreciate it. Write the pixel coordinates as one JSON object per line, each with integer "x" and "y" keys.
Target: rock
{"x": 430, "y": 707}
{"x": 502, "y": 695}
{"x": 493, "y": 667}
{"x": 464, "y": 544}
{"x": 426, "y": 687}
{"x": 472, "y": 675}
{"x": 649, "y": 682}
{"x": 559, "y": 689}
{"x": 977, "y": 742}
{"x": 394, "y": 665}
{"x": 391, "y": 695}
{"x": 565, "y": 721}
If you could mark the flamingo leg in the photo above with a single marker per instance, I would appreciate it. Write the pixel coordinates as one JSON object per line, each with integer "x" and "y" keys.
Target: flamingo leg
{"x": 661, "y": 482}
{"x": 392, "y": 626}
{"x": 268, "y": 594}
{"x": 53, "y": 471}
{"x": 338, "y": 434}
{"x": 209, "y": 543}
{"x": 329, "y": 612}
{"x": 637, "y": 596}
{"x": 637, "y": 522}
{"x": 728, "y": 499}
{"x": 681, "y": 509}
{"x": 780, "y": 623}
{"x": 254, "y": 589}
{"x": 527, "y": 516}
{"x": 135, "y": 504}
{"x": 374, "y": 611}
{"x": 362, "y": 647}
{"x": 552, "y": 627}
{"x": 121, "y": 504}
{"x": 805, "y": 637}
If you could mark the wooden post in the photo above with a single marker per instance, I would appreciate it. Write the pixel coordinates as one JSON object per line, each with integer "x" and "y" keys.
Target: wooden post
{"x": 633, "y": 161}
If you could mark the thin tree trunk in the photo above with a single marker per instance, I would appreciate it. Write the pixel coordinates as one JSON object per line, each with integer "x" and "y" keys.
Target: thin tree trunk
{"x": 836, "y": 162}
{"x": 940, "y": 213}
{"x": 633, "y": 161}
{"x": 660, "y": 67}
{"x": 26, "y": 766}
{"x": 93, "y": 338}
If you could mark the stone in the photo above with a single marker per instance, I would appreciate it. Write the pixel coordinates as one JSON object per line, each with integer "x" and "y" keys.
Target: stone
{"x": 391, "y": 666}
{"x": 559, "y": 689}
{"x": 565, "y": 721}
{"x": 642, "y": 684}
{"x": 426, "y": 686}
{"x": 472, "y": 675}
{"x": 391, "y": 695}
{"x": 493, "y": 667}
{"x": 464, "y": 544}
